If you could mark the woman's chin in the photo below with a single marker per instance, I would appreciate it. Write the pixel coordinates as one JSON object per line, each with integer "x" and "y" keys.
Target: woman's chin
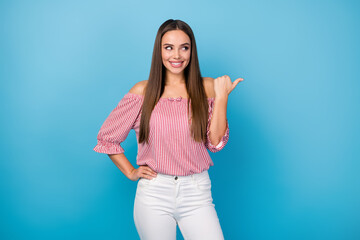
{"x": 176, "y": 72}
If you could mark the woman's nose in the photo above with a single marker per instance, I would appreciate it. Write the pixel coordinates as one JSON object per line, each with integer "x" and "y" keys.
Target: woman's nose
{"x": 177, "y": 54}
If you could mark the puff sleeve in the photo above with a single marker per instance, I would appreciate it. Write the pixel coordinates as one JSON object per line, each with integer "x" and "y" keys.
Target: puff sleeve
{"x": 118, "y": 124}
{"x": 223, "y": 140}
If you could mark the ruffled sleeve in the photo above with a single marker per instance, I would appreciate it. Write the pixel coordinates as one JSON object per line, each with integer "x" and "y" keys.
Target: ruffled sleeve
{"x": 224, "y": 139}
{"x": 118, "y": 124}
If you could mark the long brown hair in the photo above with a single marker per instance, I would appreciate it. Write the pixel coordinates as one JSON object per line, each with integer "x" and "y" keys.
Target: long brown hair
{"x": 194, "y": 85}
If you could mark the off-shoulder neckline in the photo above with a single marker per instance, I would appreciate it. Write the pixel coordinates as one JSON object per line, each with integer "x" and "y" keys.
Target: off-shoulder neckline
{"x": 163, "y": 98}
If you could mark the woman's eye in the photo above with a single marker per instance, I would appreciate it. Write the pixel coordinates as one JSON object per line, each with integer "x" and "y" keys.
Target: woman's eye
{"x": 169, "y": 48}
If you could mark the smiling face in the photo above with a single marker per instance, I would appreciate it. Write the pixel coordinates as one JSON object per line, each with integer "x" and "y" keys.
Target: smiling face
{"x": 175, "y": 51}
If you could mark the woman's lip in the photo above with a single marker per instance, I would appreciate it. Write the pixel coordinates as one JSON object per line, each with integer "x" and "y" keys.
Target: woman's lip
{"x": 176, "y": 65}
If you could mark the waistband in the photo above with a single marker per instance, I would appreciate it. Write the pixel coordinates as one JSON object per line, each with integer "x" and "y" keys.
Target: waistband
{"x": 194, "y": 176}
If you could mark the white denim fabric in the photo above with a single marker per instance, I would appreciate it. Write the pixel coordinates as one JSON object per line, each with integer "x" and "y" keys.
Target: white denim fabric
{"x": 166, "y": 201}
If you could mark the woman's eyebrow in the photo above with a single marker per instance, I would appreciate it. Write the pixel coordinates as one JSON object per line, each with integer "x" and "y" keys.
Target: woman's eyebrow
{"x": 173, "y": 45}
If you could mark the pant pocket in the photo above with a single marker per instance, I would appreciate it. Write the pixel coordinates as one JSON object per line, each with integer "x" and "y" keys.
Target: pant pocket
{"x": 203, "y": 184}
{"x": 145, "y": 183}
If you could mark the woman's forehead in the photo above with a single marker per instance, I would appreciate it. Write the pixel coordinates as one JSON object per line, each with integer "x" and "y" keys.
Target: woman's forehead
{"x": 175, "y": 37}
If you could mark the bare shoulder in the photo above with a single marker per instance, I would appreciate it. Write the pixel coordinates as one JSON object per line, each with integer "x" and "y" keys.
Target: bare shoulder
{"x": 139, "y": 88}
{"x": 209, "y": 86}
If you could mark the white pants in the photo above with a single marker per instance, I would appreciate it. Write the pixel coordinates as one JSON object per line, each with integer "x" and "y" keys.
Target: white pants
{"x": 166, "y": 200}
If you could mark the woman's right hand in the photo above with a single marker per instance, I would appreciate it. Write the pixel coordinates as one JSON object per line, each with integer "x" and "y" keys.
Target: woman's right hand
{"x": 142, "y": 172}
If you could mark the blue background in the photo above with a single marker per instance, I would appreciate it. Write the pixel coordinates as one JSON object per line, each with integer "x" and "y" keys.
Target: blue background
{"x": 290, "y": 169}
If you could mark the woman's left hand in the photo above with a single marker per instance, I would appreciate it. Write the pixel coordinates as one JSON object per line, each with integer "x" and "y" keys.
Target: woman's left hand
{"x": 223, "y": 85}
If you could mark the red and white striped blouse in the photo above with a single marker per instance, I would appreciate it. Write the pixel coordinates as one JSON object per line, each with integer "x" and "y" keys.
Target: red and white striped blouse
{"x": 171, "y": 149}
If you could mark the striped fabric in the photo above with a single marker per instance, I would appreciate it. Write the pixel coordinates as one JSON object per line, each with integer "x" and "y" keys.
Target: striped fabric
{"x": 171, "y": 149}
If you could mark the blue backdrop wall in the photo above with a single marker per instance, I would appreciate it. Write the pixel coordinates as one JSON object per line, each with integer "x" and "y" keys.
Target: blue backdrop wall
{"x": 290, "y": 169}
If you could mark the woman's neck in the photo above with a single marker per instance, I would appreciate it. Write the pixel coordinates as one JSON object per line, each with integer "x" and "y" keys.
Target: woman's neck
{"x": 174, "y": 79}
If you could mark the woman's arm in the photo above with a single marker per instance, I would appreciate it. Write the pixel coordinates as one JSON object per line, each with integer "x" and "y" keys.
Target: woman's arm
{"x": 128, "y": 169}
{"x": 221, "y": 88}
{"x": 122, "y": 163}
{"x": 218, "y": 123}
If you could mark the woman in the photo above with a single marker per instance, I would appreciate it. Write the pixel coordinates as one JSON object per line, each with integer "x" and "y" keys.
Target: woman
{"x": 177, "y": 115}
